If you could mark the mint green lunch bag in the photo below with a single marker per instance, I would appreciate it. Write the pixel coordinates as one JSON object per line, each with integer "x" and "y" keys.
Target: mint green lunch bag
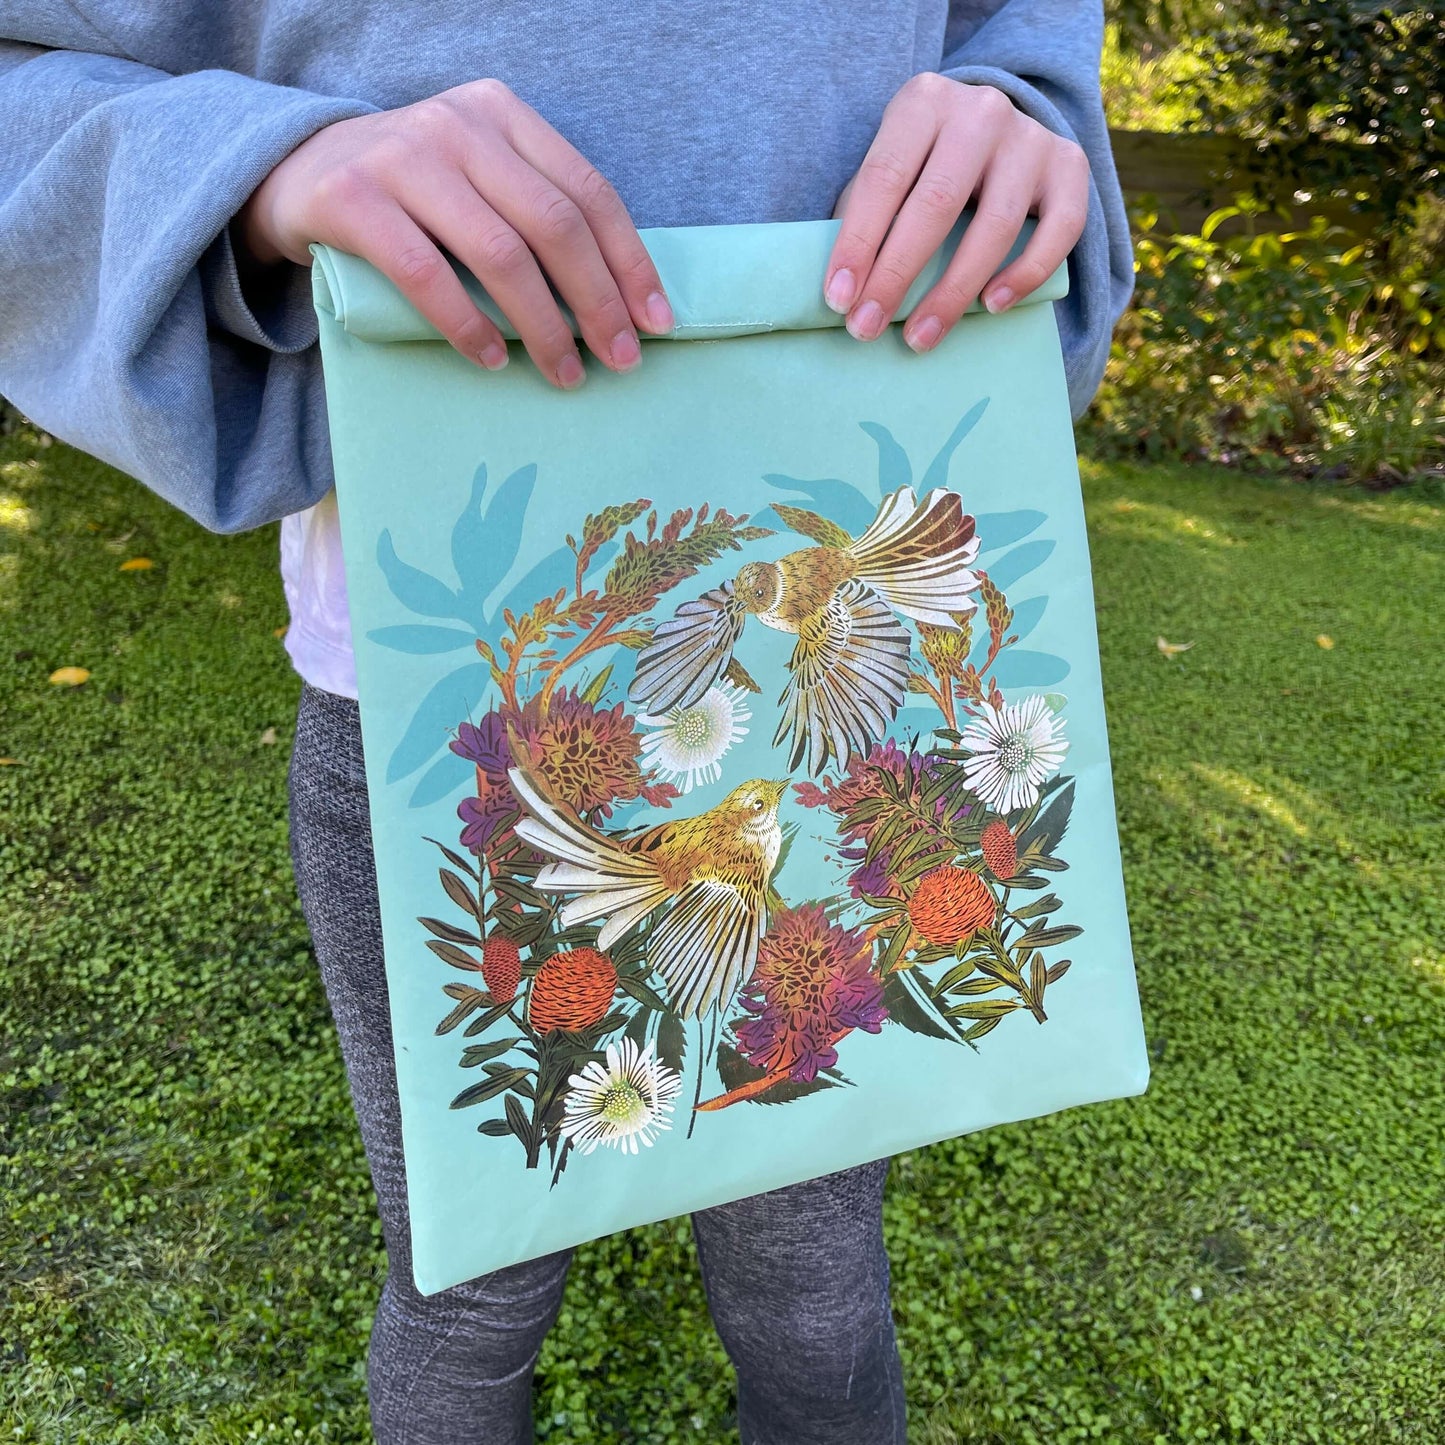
{"x": 739, "y": 785}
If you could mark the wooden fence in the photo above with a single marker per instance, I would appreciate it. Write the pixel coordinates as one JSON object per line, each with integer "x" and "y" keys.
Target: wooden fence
{"x": 1190, "y": 176}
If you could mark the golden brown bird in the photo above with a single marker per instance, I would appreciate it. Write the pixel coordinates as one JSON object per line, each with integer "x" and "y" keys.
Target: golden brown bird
{"x": 848, "y": 674}
{"x": 713, "y": 869}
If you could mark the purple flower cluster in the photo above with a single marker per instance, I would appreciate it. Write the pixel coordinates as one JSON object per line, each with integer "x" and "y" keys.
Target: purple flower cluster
{"x": 813, "y": 984}
{"x": 494, "y": 807}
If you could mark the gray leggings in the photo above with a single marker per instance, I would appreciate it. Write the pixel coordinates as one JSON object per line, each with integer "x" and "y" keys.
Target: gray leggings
{"x": 796, "y": 1280}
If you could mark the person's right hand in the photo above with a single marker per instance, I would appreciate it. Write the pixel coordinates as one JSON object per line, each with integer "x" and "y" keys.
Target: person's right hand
{"x": 479, "y": 172}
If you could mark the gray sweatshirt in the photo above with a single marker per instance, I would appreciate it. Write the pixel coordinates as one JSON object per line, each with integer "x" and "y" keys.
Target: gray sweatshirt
{"x": 131, "y": 132}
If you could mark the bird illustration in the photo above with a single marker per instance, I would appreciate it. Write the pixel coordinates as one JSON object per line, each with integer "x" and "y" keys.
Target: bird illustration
{"x": 848, "y": 674}
{"x": 711, "y": 870}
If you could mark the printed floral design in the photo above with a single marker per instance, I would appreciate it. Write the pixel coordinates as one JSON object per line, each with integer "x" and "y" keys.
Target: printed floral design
{"x": 1013, "y": 750}
{"x": 622, "y": 1103}
{"x": 603, "y": 966}
{"x": 689, "y": 743}
{"x": 572, "y": 991}
{"x": 949, "y": 905}
{"x": 813, "y": 985}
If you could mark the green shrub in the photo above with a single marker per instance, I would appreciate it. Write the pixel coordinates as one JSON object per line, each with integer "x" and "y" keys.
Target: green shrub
{"x": 1306, "y": 350}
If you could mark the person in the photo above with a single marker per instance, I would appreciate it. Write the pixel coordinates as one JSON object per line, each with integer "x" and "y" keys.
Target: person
{"x": 163, "y": 168}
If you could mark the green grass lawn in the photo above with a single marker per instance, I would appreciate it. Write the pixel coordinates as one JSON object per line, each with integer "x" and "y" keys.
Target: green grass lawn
{"x": 1255, "y": 1251}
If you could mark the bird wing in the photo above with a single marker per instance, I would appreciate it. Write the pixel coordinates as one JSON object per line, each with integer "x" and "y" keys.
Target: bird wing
{"x": 918, "y": 555}
{"x": 848, "y": 678}
{"x": 705, "y": 945}
{"x": 611, "y": 882}
{"x": 688, "y": 653}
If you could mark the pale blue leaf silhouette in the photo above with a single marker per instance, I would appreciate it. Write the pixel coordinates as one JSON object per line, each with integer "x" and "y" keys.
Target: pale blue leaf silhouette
{"x": 448, "y": 703}
{"x": 445, "y": 776}
{"x": 487, "y": 546}
{"x": 894, "y": 468}
{"x": 420, "y": 639}
{"x": 1002, "y": 529}
{"x": 416, "y": 590}
{"x": 839, "y": 502}
{"x": 1027, "y": 616}
{"x": 1020, "y": 668}
{"x": 1019, "y": 563}
{"x": 470, "y": 543}
{"x": 937, "y": 473}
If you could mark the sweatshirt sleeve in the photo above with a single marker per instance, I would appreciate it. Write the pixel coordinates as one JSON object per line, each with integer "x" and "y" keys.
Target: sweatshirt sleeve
{"x": 123, "y": 328}
{"x": 1044, "y": 55}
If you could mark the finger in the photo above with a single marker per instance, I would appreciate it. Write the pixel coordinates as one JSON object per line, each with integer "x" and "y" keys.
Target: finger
{"x": 385, "y": 235}
{"x": 616, "y": 236}
{"x": 552, "y": 224}
{"x": 927, "y": 216}
{"x": 499, "y": 258}
{"x": 886, "y": 176}
{"x": 1004, "y": 198}
{"x": 1063, "y": 211}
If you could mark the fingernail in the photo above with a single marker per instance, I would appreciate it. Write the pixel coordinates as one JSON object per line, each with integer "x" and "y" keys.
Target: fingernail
{"x": 923, "y": 335}
{"x": 841, "y": 290}
{"x": 493, "y": 356}
{"x": 625, "y": 353}
{"x": 1000, "y": 298}
{"x": 570, "y": 373}
{"x": 866, "y": 323}
{"x": 659, "y": 313}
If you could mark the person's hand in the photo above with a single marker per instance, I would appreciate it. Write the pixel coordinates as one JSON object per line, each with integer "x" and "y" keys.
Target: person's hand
{"x": 942, "y": 144}
{"x": 480, "y": 173}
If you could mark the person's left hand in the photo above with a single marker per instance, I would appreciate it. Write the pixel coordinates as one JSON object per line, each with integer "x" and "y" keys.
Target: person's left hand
{"x": 941, "y": 145}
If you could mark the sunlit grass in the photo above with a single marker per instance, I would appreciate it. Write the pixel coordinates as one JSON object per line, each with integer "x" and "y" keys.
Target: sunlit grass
{"x": 1250, "y": 1253}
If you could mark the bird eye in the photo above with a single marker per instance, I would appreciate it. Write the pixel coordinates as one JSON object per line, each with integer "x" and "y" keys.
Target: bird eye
{"x": 757, "y": 805}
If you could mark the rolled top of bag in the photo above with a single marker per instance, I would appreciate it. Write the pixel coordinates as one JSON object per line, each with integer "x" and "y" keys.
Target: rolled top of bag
{"x": 721, "y": 280}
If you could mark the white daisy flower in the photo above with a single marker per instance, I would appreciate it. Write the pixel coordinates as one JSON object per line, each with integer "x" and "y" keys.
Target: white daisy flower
{"x": 1016, "y": 749}
{"x": 689, "y": 742}
{"x": 623, "y": 1103}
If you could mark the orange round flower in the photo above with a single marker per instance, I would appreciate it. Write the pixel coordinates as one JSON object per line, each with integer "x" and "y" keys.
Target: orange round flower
{"x": 572, "y": 991}
{"x": 949, "y": 905}
{"x": 1000, "y": 850}
{"x": 501, "y": 968}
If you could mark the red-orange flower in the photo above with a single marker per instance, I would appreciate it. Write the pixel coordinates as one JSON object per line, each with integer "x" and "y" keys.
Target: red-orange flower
{"x": 572, "y": 991}
{"x": 501, "y": 968}
{"x": 1000, "y": 850}
{"x": 949, "y": 905}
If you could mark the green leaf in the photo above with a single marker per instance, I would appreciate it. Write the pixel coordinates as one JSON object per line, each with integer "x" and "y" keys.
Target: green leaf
{"x": 904, "y": 1009}
{"x": 1048, "y": 829}
{"x": 897, "y": 945}
{"x": 457, "y": 861}
{"x": 517, "y": 1120}
{"x": 631, "y": 984}
{"x": 1057, "y": 970}
{"x": 1048, "y": 937}
{"x": 487, "y": 1089}
{"x": 636, "y": 1029}
{"x": 1038, "y": 909}
{"x": 1038, "y": 978}
{"x": 598, "y": 685}
{"x": 470, "y": 1000}
{"x": 450, "y": 933}
{"x": 475, "y": 1054}
{"x": 671, "y": 1041}
{"x": 450, "y": 953}
{"x": 978, "y": 985}
{"x": 989, "y": 1008}
{"x": 460, "y": 894}
{"x": 978, "y": 1030}
{"x": 481, "y": 1025}
{"x": 495, "y": 1128}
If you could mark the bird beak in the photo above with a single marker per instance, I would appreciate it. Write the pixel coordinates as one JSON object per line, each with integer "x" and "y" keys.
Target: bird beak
{"x": 778, "y": 788}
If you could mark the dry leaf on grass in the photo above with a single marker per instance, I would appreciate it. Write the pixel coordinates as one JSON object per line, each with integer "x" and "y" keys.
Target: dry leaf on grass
{"x": 268, "y": 738}
{"x": 1325, "y": 641}
{"x": 1172, "y": 649}
{"x": 137, "y": 564}
{"x": 70, "y": 676}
